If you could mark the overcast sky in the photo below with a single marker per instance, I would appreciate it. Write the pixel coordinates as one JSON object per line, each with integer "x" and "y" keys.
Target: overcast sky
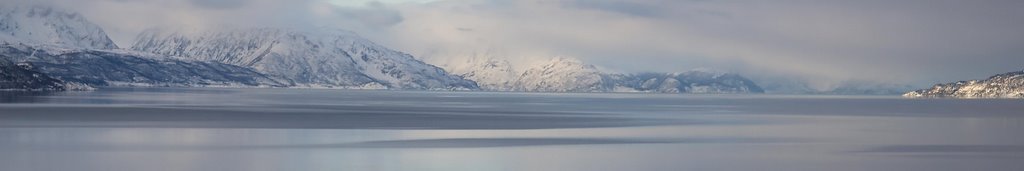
{"x": 898, "y": 41}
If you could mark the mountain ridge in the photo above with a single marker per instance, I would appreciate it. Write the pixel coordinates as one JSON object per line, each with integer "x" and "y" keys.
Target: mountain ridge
{"x": 564, "y": 74}
{"x": 327, "y": 57}
{"x": 67, "y": 47}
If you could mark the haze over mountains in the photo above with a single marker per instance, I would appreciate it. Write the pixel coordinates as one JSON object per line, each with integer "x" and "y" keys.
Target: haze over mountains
{"x": 562, "y": 74}
{"x": 69, "y": 48}
{"x": 66, "y": 47}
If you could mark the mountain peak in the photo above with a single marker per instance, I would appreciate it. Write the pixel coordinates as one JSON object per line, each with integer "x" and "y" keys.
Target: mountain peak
{"x": 43, "y": 24}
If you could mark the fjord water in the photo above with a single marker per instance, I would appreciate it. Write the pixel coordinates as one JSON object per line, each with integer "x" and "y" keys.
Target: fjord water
{"x": 123, "y": 129}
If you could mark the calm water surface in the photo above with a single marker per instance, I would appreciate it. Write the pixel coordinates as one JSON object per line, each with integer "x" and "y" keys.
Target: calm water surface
{"x": 121, "y": 129}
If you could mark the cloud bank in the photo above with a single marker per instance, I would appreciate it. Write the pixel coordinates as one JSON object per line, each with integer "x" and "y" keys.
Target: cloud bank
{"x": 901, "y": 41}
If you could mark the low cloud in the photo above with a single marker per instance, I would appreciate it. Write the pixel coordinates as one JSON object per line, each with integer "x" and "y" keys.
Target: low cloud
{"x": 902, "y": 41}
{"x": 220, "y": 4}
{"x": 907, "y": 41}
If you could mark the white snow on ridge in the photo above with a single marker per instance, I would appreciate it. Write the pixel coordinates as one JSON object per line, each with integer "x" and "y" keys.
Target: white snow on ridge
{"x": 319, "y": 57}
{"x": 46, "y": 25}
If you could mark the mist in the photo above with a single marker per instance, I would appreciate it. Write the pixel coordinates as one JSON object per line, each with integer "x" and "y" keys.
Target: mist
{"x": 826, "y": 42}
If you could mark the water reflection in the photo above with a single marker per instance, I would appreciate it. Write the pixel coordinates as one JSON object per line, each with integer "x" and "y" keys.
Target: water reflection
{"x": 24, "y": 96}
{"x": 299, "y": 129}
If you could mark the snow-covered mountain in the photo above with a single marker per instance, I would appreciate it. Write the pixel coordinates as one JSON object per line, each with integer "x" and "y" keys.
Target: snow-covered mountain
{"x": 490, "y": 73}
{"x": 1007, "y": 85}
{"x": 15, "y": 77}
{"x": 320, "y": 57}
{"x": 700, "y": 82}
{"x": 37, "y": 24}
{"x": 67, "y": 47}
{"x": 562, "y": 74}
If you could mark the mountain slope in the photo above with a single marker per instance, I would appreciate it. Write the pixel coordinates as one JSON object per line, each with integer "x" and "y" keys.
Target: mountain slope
{"x": 37, "y": 24}
{"x": 323, "y": 57}
{"x": 14, "y": 77}
{"x": 112, "y": 68}
{"x": 1007, "y": 85}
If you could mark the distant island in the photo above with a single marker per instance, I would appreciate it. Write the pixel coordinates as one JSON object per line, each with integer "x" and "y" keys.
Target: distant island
{"x": 1008, "y": 85}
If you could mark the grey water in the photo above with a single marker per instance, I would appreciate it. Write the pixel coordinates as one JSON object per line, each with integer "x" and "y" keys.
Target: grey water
{"x": 222, "y": 129}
